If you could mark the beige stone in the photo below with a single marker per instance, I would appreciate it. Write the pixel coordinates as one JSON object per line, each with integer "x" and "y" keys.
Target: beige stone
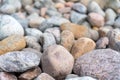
{"x": 78, "y": 30}
{"x": 67, "y": 39}
{"x": 82, "y": 46}
{"x": 12, "y": 43}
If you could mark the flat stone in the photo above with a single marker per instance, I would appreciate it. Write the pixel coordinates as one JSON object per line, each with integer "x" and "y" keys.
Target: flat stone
{"x": 53, "y": 21}
{"x": 12, "y": 43}
{"x": 18, "y": 61}
{"x": 30, "y": 74}
{"x": 78, "y": 30}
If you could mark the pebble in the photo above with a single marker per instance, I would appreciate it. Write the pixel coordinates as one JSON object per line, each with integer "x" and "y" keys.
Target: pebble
{"x": 12, "y": 43}
{"x": 102, "y": 64}
{"x": 82, "y": 46}
{"x": 94, "y": 7}
{"x": 53, "y": 21}
{"x": 31, "y": 42}
{"x": 7, "y": 76}
{"x": 26, "y": 2}
{"x": 57, "y": 61}
{"x": 20, "y": 17}
{"x": 94, "y": 35}
{"x": 30, "y": 74}
{"x": 7, "y": 9}
{"x": 98, "y": 22}
{"x": 43, "y": 11}
{"x": 67, "y": 39}
{"x": 16, "y": 3}
{"x": 65, "y": 10}
{"x": 35, "y": 22}
{"x": 9, "y": 26}
{"x": 102, "y": 43}
{"x": 30, "y": 9}
{"x": 44, "y": 76}
{"x": 116, "y": 23}
{"x": 57, "y": 21}
{"x": 48, "y": 40}
{"x": 59, "y": 5}
{"x": 71, "y": 76}
{"x": 52, "y": 13}
{"x": 69, "y": 4}
{"x": 59, "y": 39}
{"x": 78, "y": 30}
{"x": 56, "y": 33}
{"x": 77, "y": 18}
{"x": 103, "y": 31}
{"x": 110, "y": 17}
{"x": 18, "y": 61}
{"x": 114, "y": 39}
{"x": 79, "y": 8}
{"x": 82, "y": 78}
{"x": 113, "y": 4}
{"x": 86, "y": 24}
{"x": 33, "y": 50}
{"x": 34, "y": 32}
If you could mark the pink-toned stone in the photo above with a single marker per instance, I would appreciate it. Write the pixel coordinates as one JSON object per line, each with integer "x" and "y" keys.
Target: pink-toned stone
{"x": 7, "y": 76}
{"x": 59, "y": 5}
{"x": 43, "y": 11}
{"x": 30, "y": 74}
{"x": 69, "y": 4}
{"x": 65, "y": 10}
{"x": 96, "y": 19}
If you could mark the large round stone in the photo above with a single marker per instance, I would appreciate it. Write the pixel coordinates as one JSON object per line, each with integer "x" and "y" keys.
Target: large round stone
{"x": 103, "y": 64}
{"x": 57, "y": 61}
{"x": 9, "y": 26}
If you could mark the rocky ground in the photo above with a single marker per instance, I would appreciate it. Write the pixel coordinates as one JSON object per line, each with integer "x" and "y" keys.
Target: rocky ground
{"x": 59, "y": 40}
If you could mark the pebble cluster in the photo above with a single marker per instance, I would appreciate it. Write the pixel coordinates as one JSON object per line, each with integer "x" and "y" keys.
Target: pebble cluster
{"x": 59, "y": 40}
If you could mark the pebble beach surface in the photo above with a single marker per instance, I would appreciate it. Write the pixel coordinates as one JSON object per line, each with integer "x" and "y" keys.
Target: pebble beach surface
{"x": 59, "y": 40}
